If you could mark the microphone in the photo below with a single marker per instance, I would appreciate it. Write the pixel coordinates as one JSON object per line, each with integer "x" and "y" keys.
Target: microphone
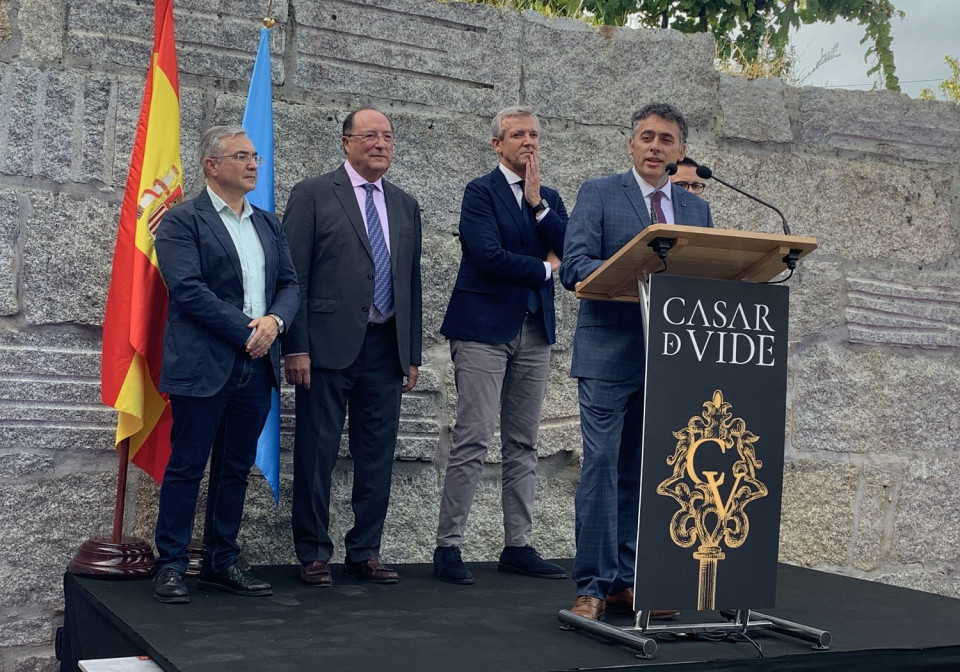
{"x": 705, "y": 173}
{"x": 668, "y": 170}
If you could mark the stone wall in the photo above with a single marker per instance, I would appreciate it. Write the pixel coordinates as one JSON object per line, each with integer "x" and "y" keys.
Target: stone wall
{"x": 872, "y": 458}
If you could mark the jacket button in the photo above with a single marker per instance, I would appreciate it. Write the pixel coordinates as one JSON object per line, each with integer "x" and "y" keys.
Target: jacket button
{"x": 365, "y": 309}
{"x": 370, "y": 276}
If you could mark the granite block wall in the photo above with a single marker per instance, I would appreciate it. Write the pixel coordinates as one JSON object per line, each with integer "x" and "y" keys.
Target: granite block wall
{"x": 872, "y": 459}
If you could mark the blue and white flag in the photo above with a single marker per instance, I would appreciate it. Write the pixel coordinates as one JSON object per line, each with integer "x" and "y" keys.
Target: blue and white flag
{"x": 258, "y": 122}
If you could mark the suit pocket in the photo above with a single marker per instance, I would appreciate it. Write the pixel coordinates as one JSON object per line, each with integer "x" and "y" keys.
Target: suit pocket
{"x": 474, "y": 289}
{"x": 183, "y": 346}
{"x": 322, "y": 305}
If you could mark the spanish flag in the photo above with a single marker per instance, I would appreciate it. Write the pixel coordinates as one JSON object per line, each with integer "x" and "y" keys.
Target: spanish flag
{"x": 137, "y": 300}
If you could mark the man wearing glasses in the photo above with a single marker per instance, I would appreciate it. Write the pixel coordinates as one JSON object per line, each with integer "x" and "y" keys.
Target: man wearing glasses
{"x": 686, "y": 177}
{"x": 356, "y": 342}
{"x": 232, "y": 289}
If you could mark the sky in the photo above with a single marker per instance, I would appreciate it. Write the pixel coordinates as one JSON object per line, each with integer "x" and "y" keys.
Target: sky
{"x": 930, "y": 30}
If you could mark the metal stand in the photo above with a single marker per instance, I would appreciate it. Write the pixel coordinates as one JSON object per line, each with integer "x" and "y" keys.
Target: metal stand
{"x": 639, "y": 636}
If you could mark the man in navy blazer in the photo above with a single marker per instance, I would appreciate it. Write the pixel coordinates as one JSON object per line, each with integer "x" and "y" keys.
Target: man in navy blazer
{"x": 232, "y": 288}
{"x": 608, "y": 355}
{"x": 501, "y": 324}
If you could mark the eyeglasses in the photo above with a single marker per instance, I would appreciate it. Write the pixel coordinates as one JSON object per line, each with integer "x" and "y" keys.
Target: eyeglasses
{"x": 693, "y": 187}
{"x": 242, "y": 157}
{"x": 370, "y": 137}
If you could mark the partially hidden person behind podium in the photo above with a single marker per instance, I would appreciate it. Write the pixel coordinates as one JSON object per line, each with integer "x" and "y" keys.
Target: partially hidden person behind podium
{"x": 501, "y": 323}
{"x": 686, "y": 177}
{"x": 608, "y": 355}
{"x": 356, "y": 342}
{"x": 232, "y": 289}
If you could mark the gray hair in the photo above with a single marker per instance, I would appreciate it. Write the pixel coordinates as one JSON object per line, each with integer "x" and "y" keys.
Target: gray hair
{"x": 211, "y": 142}
{"x": 496, "y": 126}
{"x": 664, "y": 111}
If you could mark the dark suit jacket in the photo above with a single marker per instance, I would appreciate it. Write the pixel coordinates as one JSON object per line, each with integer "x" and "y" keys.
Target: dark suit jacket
{"x": 206, "y": 328}
{"x": 331, "y": 252}
{"x": 503, "y": 252}
{"x": 609, "y": 213}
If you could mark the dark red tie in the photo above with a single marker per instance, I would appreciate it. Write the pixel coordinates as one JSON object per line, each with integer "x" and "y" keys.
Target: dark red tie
{"x": 658, "y": 216}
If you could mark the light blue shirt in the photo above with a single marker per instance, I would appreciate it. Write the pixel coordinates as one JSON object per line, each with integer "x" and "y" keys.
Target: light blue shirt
{"x": 249, "y": 249}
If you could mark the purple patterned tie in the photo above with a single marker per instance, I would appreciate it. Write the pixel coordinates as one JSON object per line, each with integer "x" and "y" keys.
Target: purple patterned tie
{"x": 383, "y": 286}
{"x": 658, "y": 216}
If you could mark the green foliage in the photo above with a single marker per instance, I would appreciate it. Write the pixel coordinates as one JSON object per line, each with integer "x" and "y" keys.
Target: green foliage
{"x": 743, "y": 28}
{"x": 950, "y": 87}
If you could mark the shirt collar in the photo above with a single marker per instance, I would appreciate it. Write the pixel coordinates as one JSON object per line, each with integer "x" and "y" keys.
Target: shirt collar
{"x": 647, "y": 189}
{"x": 358, "y": 180}
{"x": 219, "y": 204}
{"x": 512, "y": 177}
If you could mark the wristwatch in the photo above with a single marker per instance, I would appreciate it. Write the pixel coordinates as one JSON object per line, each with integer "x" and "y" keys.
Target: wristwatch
{"x": 540, "y": 207}
{"x": 281, "y": 327}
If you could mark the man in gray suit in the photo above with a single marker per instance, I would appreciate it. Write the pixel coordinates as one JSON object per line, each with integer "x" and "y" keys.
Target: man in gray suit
{"x": 355, "y": 241}
{"x": 608, "y": 355}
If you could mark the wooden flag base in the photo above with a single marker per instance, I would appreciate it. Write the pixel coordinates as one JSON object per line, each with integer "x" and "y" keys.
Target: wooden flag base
{"x": 116, "y": 557}
{"x": 102, "y": 557}
{"x": 195, "y": 557}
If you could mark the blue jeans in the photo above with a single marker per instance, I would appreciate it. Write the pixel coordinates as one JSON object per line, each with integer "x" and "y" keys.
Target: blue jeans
{"x": 229, "y": 423}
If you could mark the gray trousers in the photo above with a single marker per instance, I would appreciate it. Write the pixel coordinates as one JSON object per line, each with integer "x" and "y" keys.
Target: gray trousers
{"x": 511, "y": 378}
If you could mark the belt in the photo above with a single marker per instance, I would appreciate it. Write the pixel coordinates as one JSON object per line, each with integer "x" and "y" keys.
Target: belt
{"x": 381, "y": 325}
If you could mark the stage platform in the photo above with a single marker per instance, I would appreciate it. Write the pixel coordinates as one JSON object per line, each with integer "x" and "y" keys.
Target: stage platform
{"x": 502, "y": 623}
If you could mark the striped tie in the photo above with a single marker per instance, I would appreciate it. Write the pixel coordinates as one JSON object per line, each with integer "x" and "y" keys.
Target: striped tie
{"x": 383, "y": 286}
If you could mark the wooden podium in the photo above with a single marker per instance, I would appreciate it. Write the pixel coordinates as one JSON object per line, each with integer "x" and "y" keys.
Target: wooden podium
{"x": 688, "y": 358}
{"x": 694, "y": 252}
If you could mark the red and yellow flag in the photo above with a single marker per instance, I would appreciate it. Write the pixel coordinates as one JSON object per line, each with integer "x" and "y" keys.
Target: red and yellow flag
{"x": 137, "y": 300}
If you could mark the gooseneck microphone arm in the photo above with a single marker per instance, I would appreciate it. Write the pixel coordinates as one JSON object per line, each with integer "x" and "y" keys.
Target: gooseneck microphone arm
{"x": 705, "y": 173}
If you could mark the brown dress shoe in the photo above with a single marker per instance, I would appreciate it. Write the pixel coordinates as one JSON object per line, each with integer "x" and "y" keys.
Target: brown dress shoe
{"x": 317, "y": 574}
{"x": 621, "y": 601}
{"x": 370, "y": 570}
{"x": 588, "y": 607}
{"x": 664, "y": 614}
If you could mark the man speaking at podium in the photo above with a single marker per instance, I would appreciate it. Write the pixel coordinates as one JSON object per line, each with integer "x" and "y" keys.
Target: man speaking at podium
{"x": 608, "y": 355}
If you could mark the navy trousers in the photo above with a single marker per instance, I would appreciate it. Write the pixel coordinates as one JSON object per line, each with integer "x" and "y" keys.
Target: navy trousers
{"x": 371, "y": 387}
{"x": 228, "y": 423}
{"x": 608, "y": 495}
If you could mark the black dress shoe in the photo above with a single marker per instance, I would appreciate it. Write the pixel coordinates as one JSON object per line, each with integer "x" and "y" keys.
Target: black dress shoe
{"x": 525, "y": 560}
{"x": 170, "y": 588}
{"x": 448, "y": 566}
{"x": 233, "y": 580}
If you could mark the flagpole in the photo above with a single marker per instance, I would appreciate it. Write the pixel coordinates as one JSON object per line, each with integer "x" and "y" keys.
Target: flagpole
{"x": 120, "y": 502}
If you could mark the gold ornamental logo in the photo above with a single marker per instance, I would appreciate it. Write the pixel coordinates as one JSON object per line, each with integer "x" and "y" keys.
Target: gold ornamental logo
{"x": 712, "y": 500}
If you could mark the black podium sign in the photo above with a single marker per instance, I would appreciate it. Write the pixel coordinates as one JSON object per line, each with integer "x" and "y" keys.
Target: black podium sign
{"x": 712, "y": 469}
